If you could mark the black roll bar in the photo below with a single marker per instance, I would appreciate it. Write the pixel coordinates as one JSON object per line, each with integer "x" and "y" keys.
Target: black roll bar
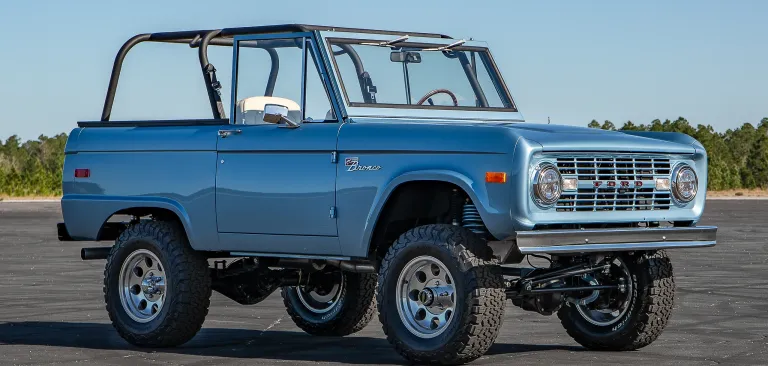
{"x": 212, "y": 84}
{"x": 472, "y": 77}
{"x": 220, "y": 37}
{"x": 363, "y": 78}
{"x": 272, "y": 72}
{"x": 116, "y": 67}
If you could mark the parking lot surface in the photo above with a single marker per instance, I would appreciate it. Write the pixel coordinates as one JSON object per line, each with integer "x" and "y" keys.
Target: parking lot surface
{"x": 52, "y": 311}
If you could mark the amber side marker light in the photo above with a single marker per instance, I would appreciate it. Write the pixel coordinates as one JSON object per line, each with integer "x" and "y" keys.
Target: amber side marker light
{"x": 496, "y": 177}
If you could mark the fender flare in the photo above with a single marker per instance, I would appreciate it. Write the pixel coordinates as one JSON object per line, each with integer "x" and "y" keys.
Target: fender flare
{"x": 477, "y": 193}
{"x": 107, "y": 206}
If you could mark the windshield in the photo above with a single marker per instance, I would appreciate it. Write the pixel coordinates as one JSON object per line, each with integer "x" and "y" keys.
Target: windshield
{"x": 410, "y": 75}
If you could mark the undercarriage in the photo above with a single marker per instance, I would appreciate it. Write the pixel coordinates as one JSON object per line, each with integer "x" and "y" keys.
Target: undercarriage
{"x": 596, "y": 282}
{"x": 249, "y": 281}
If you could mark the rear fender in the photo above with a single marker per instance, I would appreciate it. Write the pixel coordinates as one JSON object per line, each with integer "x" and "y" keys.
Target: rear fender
{"x": 85, "y": 215}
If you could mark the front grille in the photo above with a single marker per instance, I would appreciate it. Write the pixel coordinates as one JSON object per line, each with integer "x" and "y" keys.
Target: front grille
{"x": 621, "y": 183}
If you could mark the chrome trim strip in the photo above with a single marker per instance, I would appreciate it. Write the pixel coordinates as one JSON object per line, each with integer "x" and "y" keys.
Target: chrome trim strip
{"x": 547, "y": 238}
{"x": 294, "y": 256}
{"x": 616, "y": 247}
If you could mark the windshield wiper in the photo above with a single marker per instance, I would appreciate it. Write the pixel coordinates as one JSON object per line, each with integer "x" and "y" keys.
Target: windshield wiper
{"x": 388, "y": 43}
{"x": 447, "y": 47}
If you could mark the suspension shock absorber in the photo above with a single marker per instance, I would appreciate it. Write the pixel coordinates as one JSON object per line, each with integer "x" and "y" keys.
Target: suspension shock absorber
{"x": 456, "y": 208}
{"x": 471, "y": 220}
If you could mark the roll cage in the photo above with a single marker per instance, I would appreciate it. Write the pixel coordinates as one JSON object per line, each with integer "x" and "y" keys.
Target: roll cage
{"x": 201, "y": 39}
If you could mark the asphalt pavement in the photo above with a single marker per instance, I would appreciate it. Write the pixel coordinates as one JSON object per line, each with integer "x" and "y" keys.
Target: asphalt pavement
{"x": 52, "y": 310}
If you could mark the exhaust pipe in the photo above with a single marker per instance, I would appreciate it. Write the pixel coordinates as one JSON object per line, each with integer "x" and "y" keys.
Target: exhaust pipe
{"x": 357, "y": 267}
{"x": 94, "y": 253}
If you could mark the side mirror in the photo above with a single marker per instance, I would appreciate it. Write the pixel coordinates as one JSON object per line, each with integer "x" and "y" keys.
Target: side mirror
{"x": 276, "y": 113}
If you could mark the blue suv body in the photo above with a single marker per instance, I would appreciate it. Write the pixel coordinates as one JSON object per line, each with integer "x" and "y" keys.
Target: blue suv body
{"x": 340, "y": 142}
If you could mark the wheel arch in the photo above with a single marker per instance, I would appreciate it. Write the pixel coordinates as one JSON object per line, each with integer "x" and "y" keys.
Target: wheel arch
{"x": 95, "y": 224}
{"x": 397, "y": 192}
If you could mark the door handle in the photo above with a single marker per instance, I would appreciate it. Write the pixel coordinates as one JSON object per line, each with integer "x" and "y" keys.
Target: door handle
{"x": 226, "y": 133}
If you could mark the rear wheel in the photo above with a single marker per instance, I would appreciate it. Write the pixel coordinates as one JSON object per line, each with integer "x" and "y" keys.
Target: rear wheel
{"x": 340, "y": 304}
{"x": 631, "y": 317}
{"x": 156, "y": 288}
{"x": 441, "y": 297}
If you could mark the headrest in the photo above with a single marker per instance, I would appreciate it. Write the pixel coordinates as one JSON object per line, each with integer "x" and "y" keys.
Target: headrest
{"x": 258, "y": 103}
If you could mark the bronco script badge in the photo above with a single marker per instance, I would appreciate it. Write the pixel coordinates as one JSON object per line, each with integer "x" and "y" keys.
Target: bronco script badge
{"x": 352, "y": 164}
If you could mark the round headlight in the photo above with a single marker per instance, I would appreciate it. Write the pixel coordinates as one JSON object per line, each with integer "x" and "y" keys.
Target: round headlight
{"x": 685, "y": 184}
{"x": 547, "y": 185}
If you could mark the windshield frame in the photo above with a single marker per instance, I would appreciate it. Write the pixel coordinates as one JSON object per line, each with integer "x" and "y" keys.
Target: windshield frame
{"x": 507, "y": 113}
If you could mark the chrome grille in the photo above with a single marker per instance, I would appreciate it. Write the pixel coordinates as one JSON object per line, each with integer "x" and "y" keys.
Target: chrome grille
{"x": 639, "y": 172}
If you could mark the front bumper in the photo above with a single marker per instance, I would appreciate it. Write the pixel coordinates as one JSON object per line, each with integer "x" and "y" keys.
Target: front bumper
{"x": 602, "y": 240}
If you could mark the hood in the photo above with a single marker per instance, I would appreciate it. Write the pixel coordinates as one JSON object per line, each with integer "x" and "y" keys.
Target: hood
{"x": 572, "y": 138}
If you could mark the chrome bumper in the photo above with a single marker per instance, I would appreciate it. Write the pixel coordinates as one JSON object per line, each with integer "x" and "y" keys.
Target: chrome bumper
{"x": 604, "y": 240}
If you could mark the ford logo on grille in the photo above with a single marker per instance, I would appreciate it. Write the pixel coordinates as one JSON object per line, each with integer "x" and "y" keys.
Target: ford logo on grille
{"x": 621, "y": 183}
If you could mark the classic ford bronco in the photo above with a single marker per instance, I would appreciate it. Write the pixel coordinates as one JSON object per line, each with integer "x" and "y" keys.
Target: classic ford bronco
{"x": 363, "y": 171}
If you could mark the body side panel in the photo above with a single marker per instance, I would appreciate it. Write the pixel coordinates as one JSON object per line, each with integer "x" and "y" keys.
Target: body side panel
{"x": 453, "y": 153}
{"x": 274, "y": 181}
{"x": 131, "y": 139}
{"x": 282, "y": 244}
{"x": 164, "y": 167}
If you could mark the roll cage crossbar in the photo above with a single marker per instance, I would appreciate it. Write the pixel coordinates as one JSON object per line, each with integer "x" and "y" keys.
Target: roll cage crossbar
{"x": 201, "y": 39}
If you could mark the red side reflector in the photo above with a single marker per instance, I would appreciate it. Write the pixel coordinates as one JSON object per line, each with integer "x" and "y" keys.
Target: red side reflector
{"x": 82, "y": 173}
{"x": 496, "y": 177}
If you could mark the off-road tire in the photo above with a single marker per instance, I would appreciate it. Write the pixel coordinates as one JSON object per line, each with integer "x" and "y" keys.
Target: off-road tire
{"x": 353, "y": 311}
{"x": 187, "y": 301}
{"x": 479, "y": 303}
{"x": 652, "y": 301}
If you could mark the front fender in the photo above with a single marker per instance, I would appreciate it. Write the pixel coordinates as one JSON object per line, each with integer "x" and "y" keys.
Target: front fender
{"x": 495, "y": 217}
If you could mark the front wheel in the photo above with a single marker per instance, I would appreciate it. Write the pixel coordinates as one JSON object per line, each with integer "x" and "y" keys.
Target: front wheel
{"x": 631, "y": 317}
{"x": 441, "y": 296}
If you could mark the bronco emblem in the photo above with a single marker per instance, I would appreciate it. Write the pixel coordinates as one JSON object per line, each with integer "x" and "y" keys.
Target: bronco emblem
{"x": 352, "y": 164}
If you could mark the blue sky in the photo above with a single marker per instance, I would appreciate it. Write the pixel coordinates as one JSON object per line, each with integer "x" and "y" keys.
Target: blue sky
{"x": 569, "y": 60}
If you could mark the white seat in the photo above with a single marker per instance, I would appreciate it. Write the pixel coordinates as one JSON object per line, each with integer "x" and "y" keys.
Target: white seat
{"x": 250, "y": 111}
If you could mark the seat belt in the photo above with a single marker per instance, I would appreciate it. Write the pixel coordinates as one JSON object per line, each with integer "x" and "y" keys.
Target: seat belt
{"x": 216, "y": 85}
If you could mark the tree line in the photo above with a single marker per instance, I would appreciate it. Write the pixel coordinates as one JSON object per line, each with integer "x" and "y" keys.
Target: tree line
{"x": 32, "y": 168}
{"x": 738, "y": 158}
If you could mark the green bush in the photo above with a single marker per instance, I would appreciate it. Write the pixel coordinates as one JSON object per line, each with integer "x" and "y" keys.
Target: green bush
{"x": 32, "y": 168}
{"x": 737, "y": 158}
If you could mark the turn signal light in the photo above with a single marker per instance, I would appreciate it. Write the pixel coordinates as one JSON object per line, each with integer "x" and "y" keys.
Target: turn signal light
{"x": 496, "y": 177}
{"x": 662, "y": 184}
{"x": 570, "y": 184}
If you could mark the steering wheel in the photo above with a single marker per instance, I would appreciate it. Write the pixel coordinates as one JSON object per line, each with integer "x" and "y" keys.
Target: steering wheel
{"x": 438, "y": 91}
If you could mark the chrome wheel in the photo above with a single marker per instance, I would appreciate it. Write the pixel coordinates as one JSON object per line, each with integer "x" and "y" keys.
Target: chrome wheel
{"x": 620, "y": 305}
{"x": 321, "y": 300}
{"x": 426, "y": 297}
{"x": 143, "y": 286}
